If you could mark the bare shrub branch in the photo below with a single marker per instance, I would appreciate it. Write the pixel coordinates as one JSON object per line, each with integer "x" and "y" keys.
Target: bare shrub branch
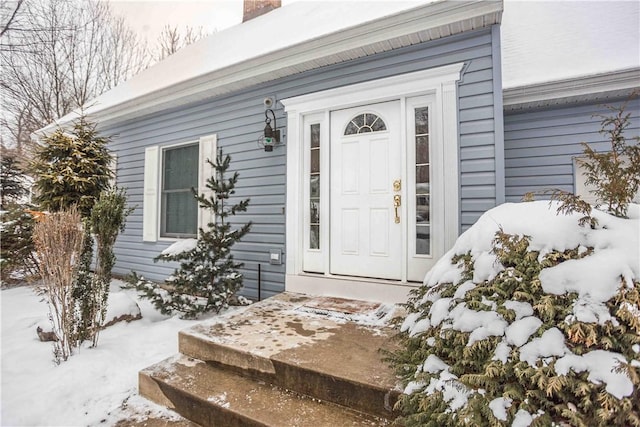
{"x": 58, "y": 238}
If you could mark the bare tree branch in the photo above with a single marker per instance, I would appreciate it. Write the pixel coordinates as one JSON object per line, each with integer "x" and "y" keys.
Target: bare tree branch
{"x": 172, "y": 39}
{"x": 55, "y": 56}
{"x": 6, "y": 26}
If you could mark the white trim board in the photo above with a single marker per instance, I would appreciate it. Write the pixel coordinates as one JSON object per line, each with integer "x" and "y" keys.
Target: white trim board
{"x": 441, "y": 82}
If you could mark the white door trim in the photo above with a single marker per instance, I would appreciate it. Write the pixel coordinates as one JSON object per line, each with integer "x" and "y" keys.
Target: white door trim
{"x": 440, "y": 82}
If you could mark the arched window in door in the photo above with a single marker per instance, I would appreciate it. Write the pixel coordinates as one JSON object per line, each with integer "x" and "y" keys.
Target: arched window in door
{"x": 365, "y": 122}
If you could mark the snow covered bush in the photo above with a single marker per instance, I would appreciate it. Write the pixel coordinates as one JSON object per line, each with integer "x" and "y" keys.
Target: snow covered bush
{"x": 530, "y": 319}
{"x": 58, "y": 238}
{"x": 72, "y": 169}
{"x": 208, "y": 276}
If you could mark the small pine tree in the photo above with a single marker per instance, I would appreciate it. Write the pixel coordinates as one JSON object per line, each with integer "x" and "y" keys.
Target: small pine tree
{"x": 12, "y": 181}
{"x": 72, "y": 169}
{"x": 16, "y": 224}
{"x": 17, "y": 251}
{"x": 208, "y": 275}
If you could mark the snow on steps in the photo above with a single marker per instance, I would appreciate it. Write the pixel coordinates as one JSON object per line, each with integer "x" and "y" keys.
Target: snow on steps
{"x": 277, "y": 364}
{"x": 214, "y": 396}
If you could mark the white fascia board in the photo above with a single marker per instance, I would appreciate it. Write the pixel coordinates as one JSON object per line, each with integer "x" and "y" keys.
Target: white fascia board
{"x": 329, "y": 48}
{"x": 583, "y": 88}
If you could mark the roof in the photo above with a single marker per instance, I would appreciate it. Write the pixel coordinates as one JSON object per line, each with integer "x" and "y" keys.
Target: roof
{"x": 556, "y": 40}
{"x": 294, "y": 38}
{"x": 567, "y": 52}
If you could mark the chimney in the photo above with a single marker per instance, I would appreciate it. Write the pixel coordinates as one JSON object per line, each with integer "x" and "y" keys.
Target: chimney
{"x": 254, "y": 8}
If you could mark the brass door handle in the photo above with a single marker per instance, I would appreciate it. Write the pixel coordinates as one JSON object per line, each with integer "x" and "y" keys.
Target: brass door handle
{"x": 397, "y": 201}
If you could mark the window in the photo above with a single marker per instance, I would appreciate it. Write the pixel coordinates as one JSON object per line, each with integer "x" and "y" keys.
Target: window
{"x": 422, "y": 184}
{"x": 314, "y": 192}
{"x": 365, "y": 122}
{"x": 580, "y": 187}
{"x": 314, "y": 187}
{"x": 169, "y": 209}
{"x": 178, "y": 207}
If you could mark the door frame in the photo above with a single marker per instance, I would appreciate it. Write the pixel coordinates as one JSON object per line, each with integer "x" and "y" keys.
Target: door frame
{"x": 439, "y": 82}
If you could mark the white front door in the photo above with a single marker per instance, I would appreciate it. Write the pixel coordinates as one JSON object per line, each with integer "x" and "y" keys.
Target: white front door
{"x": 366, "y": 230}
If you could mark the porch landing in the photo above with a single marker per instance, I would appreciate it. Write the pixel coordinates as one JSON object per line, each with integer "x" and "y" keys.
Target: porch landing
{"x": 293, "y": 360}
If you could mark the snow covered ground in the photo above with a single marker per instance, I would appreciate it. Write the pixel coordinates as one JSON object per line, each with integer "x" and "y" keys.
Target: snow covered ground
{"x": 96, "y": 386}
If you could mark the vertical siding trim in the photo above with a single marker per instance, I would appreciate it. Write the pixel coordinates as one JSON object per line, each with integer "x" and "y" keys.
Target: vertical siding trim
{"x": 498, "y": 113}
{"x": 113, "y": 167}
{"x": 294, "y": 187}
{"x": 150, "y": 200}
{"x": 451, "y": 160}
{"x": 207, "y": 151}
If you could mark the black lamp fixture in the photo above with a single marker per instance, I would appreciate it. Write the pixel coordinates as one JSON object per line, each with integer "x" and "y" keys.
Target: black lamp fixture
{"x": 271, "y": 134}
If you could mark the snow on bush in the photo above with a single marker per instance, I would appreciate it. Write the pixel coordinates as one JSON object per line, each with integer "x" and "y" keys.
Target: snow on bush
{"x": 530, "y": 319}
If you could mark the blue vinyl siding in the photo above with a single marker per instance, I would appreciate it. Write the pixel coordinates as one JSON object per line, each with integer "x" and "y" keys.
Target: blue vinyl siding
{"x": 540, "y": 145}
{"x": 238, "y": 121}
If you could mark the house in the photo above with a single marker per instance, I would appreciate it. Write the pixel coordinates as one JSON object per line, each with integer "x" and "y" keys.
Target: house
{"x": 400, "y": 124}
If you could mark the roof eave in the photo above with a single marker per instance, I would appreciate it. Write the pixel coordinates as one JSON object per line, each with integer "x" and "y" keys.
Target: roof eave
{"x": 597, "y": 87}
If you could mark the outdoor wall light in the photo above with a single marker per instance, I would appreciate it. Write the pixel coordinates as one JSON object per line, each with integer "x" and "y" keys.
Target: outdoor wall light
{"x": 271, "y": 134}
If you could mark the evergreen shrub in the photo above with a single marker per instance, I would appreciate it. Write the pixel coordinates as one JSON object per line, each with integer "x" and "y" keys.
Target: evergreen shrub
{"x": 107, "y": 220}
{"x": 536, "y": 323}
{"x": 17, "y": 258}
{"x": 208, "y": 275}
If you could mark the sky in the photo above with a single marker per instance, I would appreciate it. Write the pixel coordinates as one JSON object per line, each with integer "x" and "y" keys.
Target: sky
{"x": 148, "y": 17}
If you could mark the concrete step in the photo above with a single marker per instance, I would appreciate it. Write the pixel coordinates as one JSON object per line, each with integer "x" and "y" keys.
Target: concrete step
{"x": 327, "y": 349}
{"x": 215, "y": 397}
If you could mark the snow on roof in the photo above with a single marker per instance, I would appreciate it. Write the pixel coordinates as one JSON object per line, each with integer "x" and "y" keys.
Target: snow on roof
{"x": 552, "y": 40}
